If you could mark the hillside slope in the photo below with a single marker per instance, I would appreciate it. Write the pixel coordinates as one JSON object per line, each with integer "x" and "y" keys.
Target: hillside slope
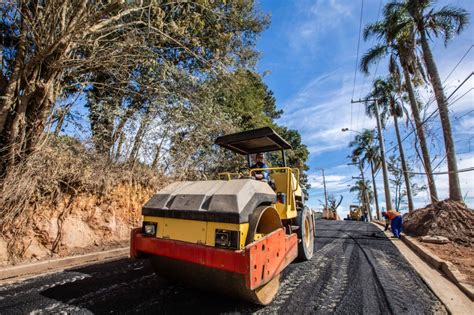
{"x": 66, "y": 200}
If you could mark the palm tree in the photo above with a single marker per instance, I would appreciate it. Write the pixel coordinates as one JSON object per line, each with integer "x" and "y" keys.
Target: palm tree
{"x": 375, "y": 160}
{"x": 445, "y": 22}
{"x": 364, "y": 193}
{"x": 385, "y": 92}
{"x": 365, "y": 151}
{"x": 397, "y": 38}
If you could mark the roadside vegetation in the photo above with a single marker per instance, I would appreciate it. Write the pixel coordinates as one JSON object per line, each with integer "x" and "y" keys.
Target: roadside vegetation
{"x": 102, "y": 103}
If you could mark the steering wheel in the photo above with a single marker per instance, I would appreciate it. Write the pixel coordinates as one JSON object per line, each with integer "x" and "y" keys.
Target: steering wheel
{"x": 244, "y": 173}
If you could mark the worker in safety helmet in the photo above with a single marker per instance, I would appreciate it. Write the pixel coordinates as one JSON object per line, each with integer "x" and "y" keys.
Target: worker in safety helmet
{"x": 260, "y": 163}
{"x": 396, "y": 221}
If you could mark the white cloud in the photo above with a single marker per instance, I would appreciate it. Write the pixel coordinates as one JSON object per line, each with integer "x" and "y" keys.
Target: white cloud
{"x": 316, "y": 21}
{"x": 467, "y": 125}
{"x": 321, "y": 109}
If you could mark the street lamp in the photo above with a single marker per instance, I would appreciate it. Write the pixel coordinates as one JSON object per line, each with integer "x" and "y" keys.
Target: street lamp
{"x": 347, "y": 129}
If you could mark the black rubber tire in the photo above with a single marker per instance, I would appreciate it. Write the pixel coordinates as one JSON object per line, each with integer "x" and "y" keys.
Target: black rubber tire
{"x": 305, "y": 235}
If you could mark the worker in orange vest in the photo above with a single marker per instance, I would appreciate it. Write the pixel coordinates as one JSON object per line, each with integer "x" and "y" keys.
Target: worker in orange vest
{"x": 396, "y": 221}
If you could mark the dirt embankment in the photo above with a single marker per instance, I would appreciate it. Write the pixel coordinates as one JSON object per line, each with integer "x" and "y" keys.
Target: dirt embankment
{"x": 66, "y": 200}
{"x": 86, "y": 223}
{"x": 450, "y": 219}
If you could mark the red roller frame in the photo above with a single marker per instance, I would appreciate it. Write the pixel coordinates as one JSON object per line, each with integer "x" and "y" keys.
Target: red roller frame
{"x": 259, "y": 262}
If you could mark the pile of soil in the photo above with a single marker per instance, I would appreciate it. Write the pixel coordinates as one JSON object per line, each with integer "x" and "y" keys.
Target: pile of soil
{"x": 447, "y": 218}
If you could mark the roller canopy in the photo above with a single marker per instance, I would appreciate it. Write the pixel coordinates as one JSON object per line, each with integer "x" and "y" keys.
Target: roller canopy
{"x": 253, "y": 141}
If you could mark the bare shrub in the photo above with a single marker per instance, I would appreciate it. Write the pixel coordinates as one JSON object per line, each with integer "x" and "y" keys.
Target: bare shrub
{"x": 59, "y": 171}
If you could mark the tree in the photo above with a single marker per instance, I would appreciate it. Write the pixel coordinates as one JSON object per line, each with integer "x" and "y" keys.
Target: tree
{"x": 373, "y": 155}
{"x": 366, "y": 151}
{"x": 446, "y": 22}
{"x": 333, "y": 203}
{"x": 397, "y": 39}
{"x": 385, "y": 91}
{"x": 397, "y": 179}
{"x": 364, "y": 193}
{"x": 54, "y": 46}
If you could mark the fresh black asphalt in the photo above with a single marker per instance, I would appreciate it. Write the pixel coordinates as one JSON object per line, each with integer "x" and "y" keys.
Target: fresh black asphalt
{"x": 355, "y": 270}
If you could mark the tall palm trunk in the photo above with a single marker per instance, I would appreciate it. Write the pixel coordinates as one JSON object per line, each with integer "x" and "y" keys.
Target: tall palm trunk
{"x": 454, "y": 186}
{"x": 377, "y": 209}
{"x": 404, "y": 165}
{"x": 421, "y": 134}
{"x": 386, "y": 186}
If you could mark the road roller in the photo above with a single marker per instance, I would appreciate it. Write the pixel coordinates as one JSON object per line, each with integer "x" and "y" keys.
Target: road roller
{"x": 234, "y": 234}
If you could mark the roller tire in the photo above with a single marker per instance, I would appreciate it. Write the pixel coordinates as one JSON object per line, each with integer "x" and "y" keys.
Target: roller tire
{"x": 305, "y": 235}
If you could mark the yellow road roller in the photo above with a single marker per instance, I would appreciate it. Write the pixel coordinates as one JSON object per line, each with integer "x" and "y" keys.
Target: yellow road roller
{"x": 235, "y": 234}
{"x": 355, "y": 213}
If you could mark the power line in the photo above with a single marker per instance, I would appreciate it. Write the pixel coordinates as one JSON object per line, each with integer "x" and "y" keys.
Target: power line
{"x": 435, "y": 111}
{"x": 444, "y": 158}
{"x": 357, "y": 57}
{"x": 469, "y": 169}
{"x": 465, "y": 114}
{"x": 358, "y": 47}
{"x": 460, "y": 97}
{"x": 431, "y": 100}
{"x": 376, "y": 66}
{"x": 378, "y": 61}
{"x": 459, "y": 62}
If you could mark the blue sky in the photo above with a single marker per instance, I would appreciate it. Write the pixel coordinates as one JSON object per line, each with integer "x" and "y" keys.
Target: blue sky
{"x": 310, "y": 52}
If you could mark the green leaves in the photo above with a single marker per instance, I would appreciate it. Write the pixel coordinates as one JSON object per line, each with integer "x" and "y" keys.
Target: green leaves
{"x": 447, "y": 22}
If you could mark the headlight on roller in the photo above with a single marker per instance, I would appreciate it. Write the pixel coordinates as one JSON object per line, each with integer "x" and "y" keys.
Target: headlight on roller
{"x": 227, "y": 239}
{"x": 149, "y": 228}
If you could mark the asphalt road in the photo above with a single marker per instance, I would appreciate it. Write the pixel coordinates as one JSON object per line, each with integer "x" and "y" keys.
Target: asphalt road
{"x": 355, "y": 270}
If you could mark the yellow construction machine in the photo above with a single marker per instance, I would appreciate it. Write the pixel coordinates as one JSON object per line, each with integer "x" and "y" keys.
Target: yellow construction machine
{"x": 235, "y": 234}
{"x": 355, "y": 213}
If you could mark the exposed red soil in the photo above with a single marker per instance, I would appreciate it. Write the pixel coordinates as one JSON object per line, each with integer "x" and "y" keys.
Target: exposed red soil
{"x": 461, "y": 256}
{"x": 450, "y": 219}
{"x": 90, "y": 224}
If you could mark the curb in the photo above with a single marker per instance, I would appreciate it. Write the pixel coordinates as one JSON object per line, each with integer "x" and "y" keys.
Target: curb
{"x": 61, "y": 263}
{"x": 447, "y": 268}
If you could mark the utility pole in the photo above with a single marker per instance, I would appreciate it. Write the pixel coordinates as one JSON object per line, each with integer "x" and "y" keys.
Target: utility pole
{"x": 388, "y": 198}
{"x": 365, "y": 195}
{"x": 325, "y": 191}
{"x": 377, "y": 209}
